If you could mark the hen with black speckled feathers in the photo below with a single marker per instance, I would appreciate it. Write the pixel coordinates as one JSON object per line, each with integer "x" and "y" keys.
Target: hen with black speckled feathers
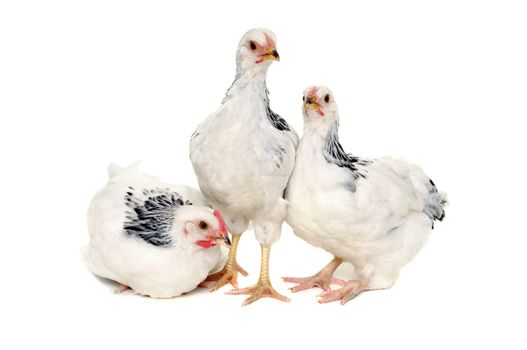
{"x": 158, "y": 239}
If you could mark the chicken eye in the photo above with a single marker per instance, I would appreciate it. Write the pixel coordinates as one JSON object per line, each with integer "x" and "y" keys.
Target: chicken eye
{"x": 303, "y": 99}
{"x": 253, "y": 45}
{"x": 326, "y": 98}
{"x": 203, "y": 225}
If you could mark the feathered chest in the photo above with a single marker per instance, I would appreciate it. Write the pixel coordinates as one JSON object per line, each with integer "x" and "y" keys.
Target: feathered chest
{"x": 244, "y": 128}
{"x": 314, "y": 176}
{"x": 321, "y": 162}
{"x": 333, "y": 181}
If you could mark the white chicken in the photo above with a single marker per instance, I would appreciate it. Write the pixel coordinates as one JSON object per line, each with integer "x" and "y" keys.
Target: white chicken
{"x": 243, "y": 155}
{"x": 158, "y": 239}
{"x": 373, "y": 213}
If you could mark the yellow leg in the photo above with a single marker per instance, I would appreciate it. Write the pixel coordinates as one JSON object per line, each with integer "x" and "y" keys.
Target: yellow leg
{"x": 263, "y": 287}
{"x": 229, "y": 273}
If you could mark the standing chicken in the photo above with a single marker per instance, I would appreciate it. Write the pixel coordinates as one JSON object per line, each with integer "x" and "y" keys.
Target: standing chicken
{"x": 243, "y": 155}
{"x": 158, "y": 239}
{"x": 374, "y": 213}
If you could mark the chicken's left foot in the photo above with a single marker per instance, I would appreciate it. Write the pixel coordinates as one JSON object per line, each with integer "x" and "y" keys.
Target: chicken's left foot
{"x": 344, "y": 294}
{"x": 258, "y": 291}
{"x": 263, "y": 288}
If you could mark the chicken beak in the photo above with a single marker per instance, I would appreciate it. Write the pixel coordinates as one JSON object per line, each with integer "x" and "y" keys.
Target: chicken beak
{"x": 223, "y": 239}
{"x": 272, "y": 55}
{"x": 227, "y": 241}
{"x": 312, "y": 102}
{"x": 223, "y": 236}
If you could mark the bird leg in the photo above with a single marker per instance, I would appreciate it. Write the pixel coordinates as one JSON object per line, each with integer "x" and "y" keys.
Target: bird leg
{"x": 263, "y": 287}
{"x": 350, "y": 290}
{"x": 229, "y": 273}
{"x": 323, "y": 279}
{"x": 121, "y": 288}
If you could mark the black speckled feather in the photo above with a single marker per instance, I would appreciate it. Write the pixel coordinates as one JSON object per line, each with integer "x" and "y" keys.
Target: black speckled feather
{"x": 151, "y": 215}
{"x": 434, "y": 206}
{"x": 334, "y": 154}
{"x": 277, "y": 121}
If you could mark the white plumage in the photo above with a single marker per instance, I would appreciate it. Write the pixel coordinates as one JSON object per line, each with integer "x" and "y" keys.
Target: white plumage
{"x": 159, "y": 239}
{"x": 243, "y": 154}
{"x": 374, "y": 213}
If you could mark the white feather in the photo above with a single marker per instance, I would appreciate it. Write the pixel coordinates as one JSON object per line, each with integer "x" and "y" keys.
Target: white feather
{"x": 376, "y": 222}
{"x": 159, "y": 272}
{"x": 243, "y": 162}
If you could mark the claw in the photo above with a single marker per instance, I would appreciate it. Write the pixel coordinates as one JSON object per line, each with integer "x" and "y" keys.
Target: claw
{"x": 229, "y": 273}
{"x": 323, "y": 279}
{"x": 226, "y": 275}
{"x": 206, "y": 284}
{"x": 344, "y": 294}
{"x": 258, "y": 291}
{"x": 263, "y": 288}
{"x": 241, "y": 270}
{"x": 121, "y": 288}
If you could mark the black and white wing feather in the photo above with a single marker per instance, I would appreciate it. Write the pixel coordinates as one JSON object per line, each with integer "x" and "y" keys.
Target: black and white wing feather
{"x": 435, "y": 204}
{"x": 278, "y": 122}
{"x": 150, "y": 214}
{"x": 335, "y": 154}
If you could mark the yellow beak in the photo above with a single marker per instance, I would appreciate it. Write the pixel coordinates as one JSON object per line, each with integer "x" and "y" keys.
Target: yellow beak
{"x": 312, "y": 102}
{"x": 272, "y": 55}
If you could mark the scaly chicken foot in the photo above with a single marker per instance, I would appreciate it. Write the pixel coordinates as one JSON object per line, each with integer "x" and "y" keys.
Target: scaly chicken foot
{"x": 323, "y": 279}
{"x": 263, "y": 287}
{"x": 229, "y": 273}
{"x": 350, "y": 290}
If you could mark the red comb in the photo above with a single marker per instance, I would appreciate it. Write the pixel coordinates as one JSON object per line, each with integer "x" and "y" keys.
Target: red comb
{"x": 269, "y": 42}
{"x": 312, "y": 92}
{"x": 223, "y": 227}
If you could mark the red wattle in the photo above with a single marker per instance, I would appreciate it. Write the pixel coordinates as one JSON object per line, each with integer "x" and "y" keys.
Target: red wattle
{"x": 205, "y": 244}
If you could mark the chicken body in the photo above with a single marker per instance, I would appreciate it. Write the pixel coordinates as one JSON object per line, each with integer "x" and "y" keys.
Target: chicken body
{"x": 143, "y": 234}
{"x": 373, "y": 213}
{"x": 243, "y": 156}
{"x": 243, "y": 162}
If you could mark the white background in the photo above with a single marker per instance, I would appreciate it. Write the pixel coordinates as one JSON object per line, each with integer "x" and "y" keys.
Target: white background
{"x": 442, "y": 83}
